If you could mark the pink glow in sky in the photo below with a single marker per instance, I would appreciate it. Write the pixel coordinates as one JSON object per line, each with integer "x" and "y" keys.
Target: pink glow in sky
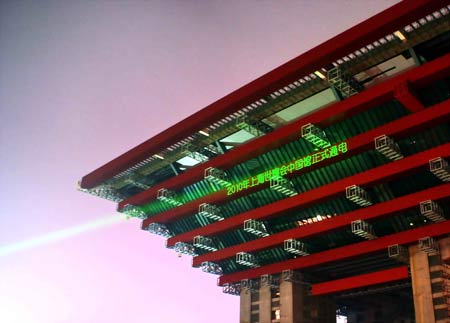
{"x": 80, "y": 83}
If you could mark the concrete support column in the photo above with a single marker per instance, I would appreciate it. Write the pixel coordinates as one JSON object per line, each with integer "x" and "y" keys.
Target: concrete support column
{"x": 444, "y": 246}
{"x": 245, "y": 306}
{"x": 291, "y": 302}
{"x": 265, "y": 304}
{"x": 442, "y": 306}
{"x": 421, "y": 283}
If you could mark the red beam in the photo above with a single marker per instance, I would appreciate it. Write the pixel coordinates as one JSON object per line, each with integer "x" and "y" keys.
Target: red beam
{"x": 407, "y": 98}
{"x": 281, "y": 136}
{"x": 321, "y": 194}
{"x": 354, "y": 38}
{"x": 397, "y": 129}
{"x": 377, "y": 211}
{"x": 341, "y": 253}
{"x": 375, "y": 278}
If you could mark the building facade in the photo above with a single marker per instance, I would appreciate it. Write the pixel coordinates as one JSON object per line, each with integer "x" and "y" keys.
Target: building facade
{"x": 320, "y": 188}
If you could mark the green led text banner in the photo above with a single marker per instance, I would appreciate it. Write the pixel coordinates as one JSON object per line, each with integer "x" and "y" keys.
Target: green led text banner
{"x": 303, "y": 162}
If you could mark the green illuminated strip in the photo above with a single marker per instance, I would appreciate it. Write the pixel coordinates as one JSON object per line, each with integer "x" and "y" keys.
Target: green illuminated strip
{"x": 302, "y": 162}
{"x": 156, "y": 207}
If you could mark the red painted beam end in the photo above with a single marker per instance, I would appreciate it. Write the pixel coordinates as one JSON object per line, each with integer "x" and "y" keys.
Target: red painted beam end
{"x": 365, "y": 280}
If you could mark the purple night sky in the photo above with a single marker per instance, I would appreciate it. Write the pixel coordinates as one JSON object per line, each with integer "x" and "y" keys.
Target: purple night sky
{"x": 82, "y": 82}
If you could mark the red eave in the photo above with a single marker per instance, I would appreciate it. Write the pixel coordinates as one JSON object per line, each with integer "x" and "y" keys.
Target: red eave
{"x": 341, "y": 253}
{"x": 325, "y": 117}
{"x": 365, "y": 280}
{"x": 368, "y": 31}
{"x": 410, "y": 124}
{"x": 374, "y": 176}
{"x": 374, "y": 212}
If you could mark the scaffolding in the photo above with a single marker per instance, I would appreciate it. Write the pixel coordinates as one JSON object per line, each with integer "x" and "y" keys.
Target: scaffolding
{"x": 211, "y": 268}
{"x": 270, "y": 281}
{"x": 204, "y": 243}
{"x": 159, "y": 229}
{"x": 363, "y": 229}
{"x": 133, "y": 181}
{"x": 232, "y": 289}
{"x": 255, "y": 227}
{"x": 134, "y": 211}
{"x": 243, "y": 123}
{"x": 429, "y": 245}
{"x": 283, "y": 186}
{"x": 296, "y": 247}
{"x": 107, "y": 192}
{"x": 292, "y": 276}
{"x": 185, "y": 249}
{"x": 246, "y": 259}
{"x": 168, "y": 197}
{"x": 249, "y": 284}
{"x": 357, "y": 195}
{"x": 399, "y": 253}
{"x": 210, "y": 211}
{"x": 432, "y": 211}
{"x": 440, "y": 168}
{"x": 343, "y": 82}
{"x": 191, "y": 151}
{"x": 388, "y": 147}
{"x": 315, "y": 135}
{"x": 217, "y": 176}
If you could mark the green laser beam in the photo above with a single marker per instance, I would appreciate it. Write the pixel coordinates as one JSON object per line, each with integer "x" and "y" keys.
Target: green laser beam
{"x": 60, "y": 234}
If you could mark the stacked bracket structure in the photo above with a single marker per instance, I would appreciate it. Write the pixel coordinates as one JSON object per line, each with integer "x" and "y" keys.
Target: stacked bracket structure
{"x": 333, "y": 166}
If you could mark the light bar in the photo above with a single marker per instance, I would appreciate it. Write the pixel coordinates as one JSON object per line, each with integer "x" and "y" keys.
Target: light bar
{"x": 400, "y": 35}
{"x": 320, "y": 74}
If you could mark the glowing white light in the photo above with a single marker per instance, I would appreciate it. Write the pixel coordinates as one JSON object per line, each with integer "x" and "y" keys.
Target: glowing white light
{"x": 399, "y": 34}
{"x": 320, "y": 74}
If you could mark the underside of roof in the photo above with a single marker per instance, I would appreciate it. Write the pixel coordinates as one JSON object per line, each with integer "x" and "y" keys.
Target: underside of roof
{"x": 156, "y": 189}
